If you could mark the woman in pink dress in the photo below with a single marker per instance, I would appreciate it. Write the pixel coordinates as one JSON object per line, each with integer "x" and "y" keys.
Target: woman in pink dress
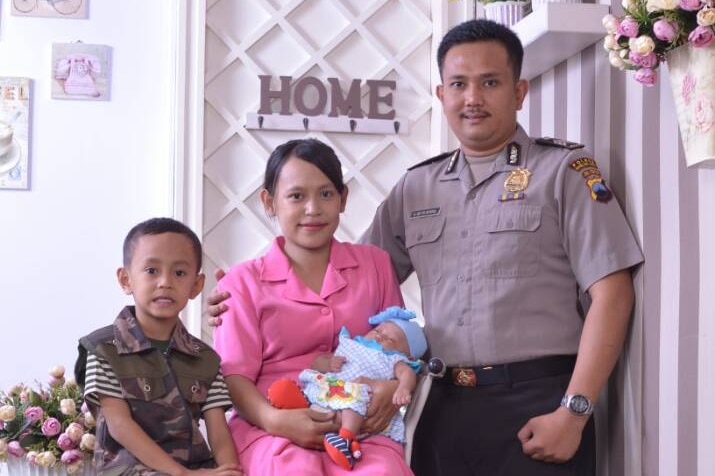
{"x": 287, "y": 307}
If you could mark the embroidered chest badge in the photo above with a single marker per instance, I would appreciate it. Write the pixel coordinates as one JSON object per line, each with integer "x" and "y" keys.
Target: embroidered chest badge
{"x": 425, "y": 212}
{"x": 515, "y": 184}
{"x": 594, "y": 181}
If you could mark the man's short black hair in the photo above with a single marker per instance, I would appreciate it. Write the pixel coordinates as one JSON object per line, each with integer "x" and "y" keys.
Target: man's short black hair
{"x": 157, "y": 226}
{"x": 483, "y": 30}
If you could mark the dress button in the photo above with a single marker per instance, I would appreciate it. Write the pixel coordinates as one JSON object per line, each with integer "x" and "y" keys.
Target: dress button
{"x": 325, "y": 311}
{"x": 323, "y": 348}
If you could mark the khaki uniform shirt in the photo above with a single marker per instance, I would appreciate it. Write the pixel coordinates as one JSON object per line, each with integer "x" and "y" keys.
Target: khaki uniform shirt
{"x": 500, "y": 273}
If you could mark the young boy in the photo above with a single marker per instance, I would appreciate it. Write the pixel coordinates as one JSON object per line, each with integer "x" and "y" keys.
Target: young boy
{"x": 390, "y": 350}
{"x": 148, "y": 381}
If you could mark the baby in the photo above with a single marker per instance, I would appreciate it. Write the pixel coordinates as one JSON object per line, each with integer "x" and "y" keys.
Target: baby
{"x": 388, "y": 351}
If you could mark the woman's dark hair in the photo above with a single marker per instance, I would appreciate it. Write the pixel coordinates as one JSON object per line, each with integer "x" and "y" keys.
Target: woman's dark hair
{"x": 312, "y": 151}
{"x": 483, "y": 30}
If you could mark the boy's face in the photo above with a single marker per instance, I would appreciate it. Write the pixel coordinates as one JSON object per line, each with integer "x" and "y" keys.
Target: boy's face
{"x": 390, "y": 337}
{"x": 162, "y": 276}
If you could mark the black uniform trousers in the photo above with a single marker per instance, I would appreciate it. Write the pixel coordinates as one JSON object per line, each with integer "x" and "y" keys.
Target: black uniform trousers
{"x": 471, "y": 431}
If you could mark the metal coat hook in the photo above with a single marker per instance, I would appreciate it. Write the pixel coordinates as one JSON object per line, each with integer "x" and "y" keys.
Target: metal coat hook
{"x": 260, "y": 122}
{"x": 305, "y": 123}
{"x": 353, "y": 125}
{"x": 397, "y": 126}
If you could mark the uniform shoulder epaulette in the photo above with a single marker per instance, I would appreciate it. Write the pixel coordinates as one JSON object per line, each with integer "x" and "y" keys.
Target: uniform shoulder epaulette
{"x": 565, "y": 144}
{"x": 432, "y": 160}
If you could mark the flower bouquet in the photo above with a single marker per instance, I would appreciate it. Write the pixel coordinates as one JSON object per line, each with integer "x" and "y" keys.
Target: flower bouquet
{"x": 46, "y": 429}
{"x": 651, "y": 29}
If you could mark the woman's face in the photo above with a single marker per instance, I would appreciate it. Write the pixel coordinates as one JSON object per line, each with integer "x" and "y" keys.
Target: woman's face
{"x": 307, "y": 206}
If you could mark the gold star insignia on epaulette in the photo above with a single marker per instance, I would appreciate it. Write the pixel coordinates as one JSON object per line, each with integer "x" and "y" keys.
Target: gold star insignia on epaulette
{"x": 552, "y": 142}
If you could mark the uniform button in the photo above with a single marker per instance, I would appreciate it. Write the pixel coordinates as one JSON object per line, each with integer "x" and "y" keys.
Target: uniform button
{"x": 194, "y": 388}
{"x": 471, "y": 195}
{"x": 323, "y": 348}
{"x": 325, "y": 311}
{"x": 460, "y": 277}
{"x": 464, "y": 233}
{"x": 147, "y": 387}
{"x": 510, "y": 224}
{"x": 460, "y": 322}
{"x": 419, "y": 237}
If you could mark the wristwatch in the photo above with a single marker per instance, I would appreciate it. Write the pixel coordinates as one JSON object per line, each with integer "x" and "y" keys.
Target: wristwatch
{"x": 578, "y": 404}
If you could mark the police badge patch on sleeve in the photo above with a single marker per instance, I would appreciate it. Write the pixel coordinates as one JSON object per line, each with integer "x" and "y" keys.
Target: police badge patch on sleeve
{"x": 594, "y": 181}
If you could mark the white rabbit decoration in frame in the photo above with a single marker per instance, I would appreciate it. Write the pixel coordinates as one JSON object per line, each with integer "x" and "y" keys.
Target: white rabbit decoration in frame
{"x": 80, "y": 71}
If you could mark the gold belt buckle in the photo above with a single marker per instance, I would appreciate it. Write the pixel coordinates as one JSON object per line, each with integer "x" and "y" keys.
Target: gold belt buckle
{"x": 464, "y": 377}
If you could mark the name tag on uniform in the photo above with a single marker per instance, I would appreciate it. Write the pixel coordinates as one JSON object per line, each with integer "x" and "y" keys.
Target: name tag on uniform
{"x": 427, "y": 212}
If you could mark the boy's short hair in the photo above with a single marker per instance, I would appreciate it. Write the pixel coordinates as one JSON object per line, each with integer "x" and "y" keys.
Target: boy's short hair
{"x": 157, "y": 226}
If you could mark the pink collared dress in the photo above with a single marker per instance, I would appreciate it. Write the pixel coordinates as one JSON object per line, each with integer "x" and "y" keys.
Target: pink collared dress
{"x": 276, "y": 326}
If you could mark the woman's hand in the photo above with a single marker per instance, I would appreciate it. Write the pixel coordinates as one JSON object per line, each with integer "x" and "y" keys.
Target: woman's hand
{"x": 305, "y": 427}
{"x": 216, "y": 301}
{"x": 381, "y": 409}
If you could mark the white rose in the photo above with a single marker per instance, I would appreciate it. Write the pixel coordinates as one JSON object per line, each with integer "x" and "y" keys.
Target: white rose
{"x": 57, "y": 371}
{"x": 31, "y": 456}
{"x": 658, "y": 5}
{"x": 89, "y": 420}
{"x": 616, "y": 61}
{"x": 610, "y": 43}
{"x": 87, "y": 443}
{"x": 45, "y": 459}
{"x": 706, "y": 16}
{"x": 74, "y": 468}
{"x": 68, "y": 407}
{"x": 3, "y": 447}
{"x": 610, "y": 23}
{"x": 642, "y": 45}
{"x": 7, "y": 413}
{"x": 75, "y": 432}
{"x": 628, "y": 4}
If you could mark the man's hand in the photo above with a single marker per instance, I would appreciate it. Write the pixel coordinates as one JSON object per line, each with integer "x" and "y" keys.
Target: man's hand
{"x": 554, "y": 437}
{"x": 381, "y": 409}
{"x": 216, "y": 301}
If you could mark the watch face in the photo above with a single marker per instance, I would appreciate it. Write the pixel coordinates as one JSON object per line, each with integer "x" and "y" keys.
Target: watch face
{"x": 579, "y": 404}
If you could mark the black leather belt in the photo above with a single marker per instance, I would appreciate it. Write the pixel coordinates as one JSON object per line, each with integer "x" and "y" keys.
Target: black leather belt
{"x": 511, "y": 372}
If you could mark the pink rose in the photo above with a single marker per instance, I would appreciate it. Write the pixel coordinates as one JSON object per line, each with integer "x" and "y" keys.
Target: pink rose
{"x": 15, "y": 449}
{"x": 31, "y": 456}
{"x": 34, "y": 414}
{"x": 628, "y": 27}
{"x": 51, "y": 427}
{"x": 646, "y": 76}
{"x": 665, "y": 30}
{"x": 690, "y": 5}
{"x": 701, "y": 37}
{"x": 71, "y": 456}
{"x": 644, "y": 61}
{"x": 65, "y": 442}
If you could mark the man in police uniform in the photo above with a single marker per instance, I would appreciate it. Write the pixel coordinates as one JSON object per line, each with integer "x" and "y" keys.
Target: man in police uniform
{"x": 503, "y": 233}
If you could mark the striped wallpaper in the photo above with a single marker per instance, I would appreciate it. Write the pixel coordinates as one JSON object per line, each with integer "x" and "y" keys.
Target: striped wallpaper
{"x": 661, "y": 421}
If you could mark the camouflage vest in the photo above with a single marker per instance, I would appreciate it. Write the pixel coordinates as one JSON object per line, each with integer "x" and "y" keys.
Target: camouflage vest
{"x": 164, "y": 392}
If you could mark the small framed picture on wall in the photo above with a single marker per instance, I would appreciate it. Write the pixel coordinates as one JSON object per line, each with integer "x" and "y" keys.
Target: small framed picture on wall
{"x": 81, "y": 71}
{"x": 14, "y": 132}
{"x": 50, "y": 8}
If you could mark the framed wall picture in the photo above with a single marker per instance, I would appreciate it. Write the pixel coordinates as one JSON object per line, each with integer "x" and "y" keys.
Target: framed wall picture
{"x": 50, "y": 8}
{"x": 14, "y": 132}
{"x": 80, "y": 71}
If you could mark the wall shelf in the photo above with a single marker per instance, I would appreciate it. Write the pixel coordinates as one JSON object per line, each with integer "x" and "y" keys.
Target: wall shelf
{"x": 556, "y": 31}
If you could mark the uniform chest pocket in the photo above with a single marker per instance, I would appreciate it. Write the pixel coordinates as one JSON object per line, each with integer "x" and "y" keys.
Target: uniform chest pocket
{"x": 423, "y": 238}
{"x": 512, "y": 243}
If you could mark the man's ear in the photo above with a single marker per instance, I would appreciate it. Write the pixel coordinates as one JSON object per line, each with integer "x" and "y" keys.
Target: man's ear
{"x": 268, "y": 204}
{"x": 522, "y": 87}
{"x": 124, "y": 281}
{"x": 198, "y": 285}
